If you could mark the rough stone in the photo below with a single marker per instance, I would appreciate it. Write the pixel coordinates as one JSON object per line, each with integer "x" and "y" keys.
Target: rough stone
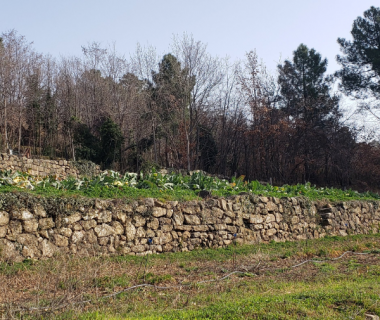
{"x": 30, "y": 225}
{"x": 140, "y": 232}
{"x": 130, "y": 231}
{"x": 138, "y": 248}
{"x": 77, "y": 227}
{"x": 90, "y": 236}
{"x": 178, "y": 218}
{"x": 3, "y": 231}
{"x": 4, "y": 218}
{"x": 104, "y": 230}
{"x": 118, "y": 227}
{"x": 271, "y": 232}
{"x": 159, "y": 212}
{"x": 192, "y": 219}
{"x": 48, "y": 249}
{"x": 15, "y": 228}
{"x": 77, "y": 237}
{"x": 270, "y": 218}
{"x": 141, "y": 209}
{"x": 39, "y": 211}
{"x": 153, "y": 224}
{"x": 67, "y": 232}
{"x": 270, "y": 206}
{"x": 294, "y": 220}
{"x": 88, "y": 224}
{"x": 167, "y": 227}
{"x": 105, "y": 216}
{"x": 256, "y": 219}
{"x": 9, "y": 251}
{"x": 72, "y": 218}
{"x": 216, "y": 212}
{"x": 200, "y": 228}
{"x": 139, "y": 221}
{"x": 60, "y": 241}
{"x": 22, "y": 214}
{"x": 121, "y": 216}
{"x": 46, "y": 223}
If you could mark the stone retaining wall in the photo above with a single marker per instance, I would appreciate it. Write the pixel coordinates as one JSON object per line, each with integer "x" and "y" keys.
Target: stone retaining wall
{"x": 150, "y": 226}
{"x": 40, "y": 167}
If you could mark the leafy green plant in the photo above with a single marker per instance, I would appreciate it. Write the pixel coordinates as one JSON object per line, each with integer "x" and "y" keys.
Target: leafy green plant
{"x": 111, "y": 184}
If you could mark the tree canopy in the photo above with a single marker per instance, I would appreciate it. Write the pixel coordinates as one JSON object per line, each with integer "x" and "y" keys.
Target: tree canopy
{"x": 360, "y": 73}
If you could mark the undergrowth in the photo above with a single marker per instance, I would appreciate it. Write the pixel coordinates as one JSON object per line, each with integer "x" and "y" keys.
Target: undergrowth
{"x": 172, "y": 186}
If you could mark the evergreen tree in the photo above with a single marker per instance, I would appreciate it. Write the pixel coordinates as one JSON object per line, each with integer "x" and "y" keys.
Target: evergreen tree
{"x": 304, "y": 86}
{"x": 360, "y": 73}
{"x": 171, "y": 94}
{"x": 111, "y": 141}
{"x": 312, "y": 112}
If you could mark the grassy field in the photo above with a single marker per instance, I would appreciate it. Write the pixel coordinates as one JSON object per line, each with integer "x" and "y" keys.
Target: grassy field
{"x": 269, "y": 285}
{"x": 112, "y": 185}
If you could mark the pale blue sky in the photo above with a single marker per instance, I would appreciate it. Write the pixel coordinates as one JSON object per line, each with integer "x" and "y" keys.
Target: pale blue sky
{"x": 273, "y": 27}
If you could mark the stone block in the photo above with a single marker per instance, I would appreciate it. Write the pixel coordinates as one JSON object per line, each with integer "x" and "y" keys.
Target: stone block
{"x": 46, "y": 223}
{"x": 207, "y": 216}
{"x": 105, "y": 216}
{"x": 22, "y": 214}
{"x": 60, "y": 241}
{"x": 153, "y": 224}
{"x": 67, "y": 232}
{"x": 141, "y": 209}
{"x": 88, "y": 224}
{"x": 104, "y": 230}
{"x": 139, "y": 221}
{"x": 72, "y": 218}
{"x": 130, "y": 231}
{"x": 48, "y": 249}
{"x": 192, "y": 219}
{"x": 118, "y": 227}
{"x": 270, "y": 206}
{"x": 39, "y": 211}
{"x": 140, "y": 232}
{"x": 4, "y": 218}
{"x": 200, "y": 228}
{"x": 30, "y": 226}
{"x": 159, "y": 212}
{"x": 167, "y": 227}
{"x": 256, "y": 219}
{"x": 138, "y": 248}
{"x": 178, "y": 218}
{"x": 3, "y": 231}
{"x": 77, "y": 237}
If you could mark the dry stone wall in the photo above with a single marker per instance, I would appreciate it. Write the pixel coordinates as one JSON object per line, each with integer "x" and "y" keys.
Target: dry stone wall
{"x": 149, "y": 226}
{"x": 41, "y": 167}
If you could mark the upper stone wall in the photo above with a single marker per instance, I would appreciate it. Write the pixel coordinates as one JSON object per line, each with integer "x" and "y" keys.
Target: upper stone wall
{"x": 40, "y": 167}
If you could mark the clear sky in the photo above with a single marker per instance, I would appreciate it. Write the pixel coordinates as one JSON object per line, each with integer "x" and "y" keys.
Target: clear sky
{"x": 230, "y": 28}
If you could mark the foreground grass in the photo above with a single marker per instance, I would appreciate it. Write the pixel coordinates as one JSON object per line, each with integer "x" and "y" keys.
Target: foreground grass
{"x": 268, "y": 288}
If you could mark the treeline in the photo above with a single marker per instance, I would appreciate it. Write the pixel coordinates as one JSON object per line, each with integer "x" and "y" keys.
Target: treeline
{"x": 190, "y": 110}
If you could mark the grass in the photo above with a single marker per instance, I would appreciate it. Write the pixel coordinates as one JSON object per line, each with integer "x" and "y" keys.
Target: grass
{"x": 267, "y": 288}
{"x": 111, "y": 184}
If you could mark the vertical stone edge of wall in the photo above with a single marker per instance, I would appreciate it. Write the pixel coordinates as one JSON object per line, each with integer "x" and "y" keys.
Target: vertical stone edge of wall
{"x": 149, "y": 226}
